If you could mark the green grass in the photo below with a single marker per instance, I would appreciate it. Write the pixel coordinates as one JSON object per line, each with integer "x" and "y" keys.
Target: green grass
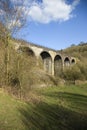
{"x": 52, "y": 108}
{"x": 10, "y": 117}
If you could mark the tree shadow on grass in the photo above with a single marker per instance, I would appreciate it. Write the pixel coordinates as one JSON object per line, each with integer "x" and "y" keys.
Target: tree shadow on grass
{"x": 76, "y": 100}
{"x": 43, "y": 116}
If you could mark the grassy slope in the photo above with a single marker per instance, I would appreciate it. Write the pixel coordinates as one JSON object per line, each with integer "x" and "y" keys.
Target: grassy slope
{"x": 79, "y": 51}
{"x": 9, "y": 114}
{"x": 52, "y": 108}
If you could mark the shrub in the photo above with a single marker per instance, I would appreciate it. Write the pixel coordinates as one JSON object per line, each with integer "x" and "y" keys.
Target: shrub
{"x": 73, "y": 73}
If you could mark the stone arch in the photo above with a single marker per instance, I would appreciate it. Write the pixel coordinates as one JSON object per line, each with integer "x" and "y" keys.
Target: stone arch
{"x": 26, "y": 50}
{"x": 47, "y": 61}
{"x": 73, "y": 61}
{"x": 57, "y": 65}
{"x": 66, "y": 61}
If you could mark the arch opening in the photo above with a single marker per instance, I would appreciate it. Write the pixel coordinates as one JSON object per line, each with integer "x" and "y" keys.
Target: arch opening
{"x": 47, "y": 62}
{"x": 66, "y": 62}
{"x": 57, "y": 65}
{"x": 73, "y": 61}
{"x": 27, "y": 51}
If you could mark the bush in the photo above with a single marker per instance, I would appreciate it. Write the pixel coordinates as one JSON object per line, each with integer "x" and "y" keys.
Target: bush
{"x": 83, "y": 69}
{"x": 73, "y": 73}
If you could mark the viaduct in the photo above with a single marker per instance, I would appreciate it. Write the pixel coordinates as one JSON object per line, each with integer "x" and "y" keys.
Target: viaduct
{"x": 53, "y": 61}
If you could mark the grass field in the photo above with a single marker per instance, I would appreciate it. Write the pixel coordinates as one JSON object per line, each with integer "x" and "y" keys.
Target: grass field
{"x": 52, "y": 108}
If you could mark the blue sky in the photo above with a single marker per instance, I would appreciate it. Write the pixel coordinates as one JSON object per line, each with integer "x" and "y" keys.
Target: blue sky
{"x": 59, "y": 31}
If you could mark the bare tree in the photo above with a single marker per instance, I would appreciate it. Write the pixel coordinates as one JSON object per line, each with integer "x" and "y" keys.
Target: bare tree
{"x": 12, "y": 19}
{"x": 12, "y": 15}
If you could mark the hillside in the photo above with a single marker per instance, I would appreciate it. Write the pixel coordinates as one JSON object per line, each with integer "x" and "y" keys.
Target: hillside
{"x": 19, "y": 69}
{"x": 79, "y": 51}
{"x": 79, "y": 70}
{"x": 52, "y": 108}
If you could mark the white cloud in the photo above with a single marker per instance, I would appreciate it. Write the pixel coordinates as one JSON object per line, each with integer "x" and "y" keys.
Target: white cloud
{"x": 1, "y": 12}
{"x": 47, "y": 10}
{"x": 51, "y": 10}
